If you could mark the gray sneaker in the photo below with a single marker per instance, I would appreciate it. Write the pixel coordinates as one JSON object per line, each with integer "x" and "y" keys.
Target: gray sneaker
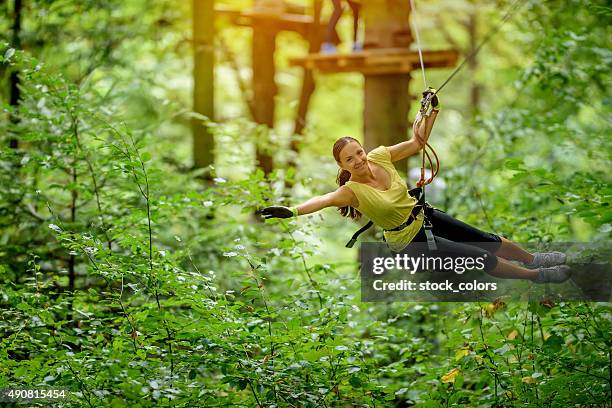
{"x": 546, "y": 259}
{"x": 554, "y": 274}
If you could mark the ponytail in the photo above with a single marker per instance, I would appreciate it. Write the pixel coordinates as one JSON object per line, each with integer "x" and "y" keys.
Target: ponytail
{"x": 344, "y": 176}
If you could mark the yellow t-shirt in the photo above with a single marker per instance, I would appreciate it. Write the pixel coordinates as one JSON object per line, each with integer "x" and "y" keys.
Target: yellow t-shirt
{"x": 389, "y": 208}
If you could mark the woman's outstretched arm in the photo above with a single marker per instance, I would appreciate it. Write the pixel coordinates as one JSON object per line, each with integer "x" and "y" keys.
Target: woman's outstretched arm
{"x": 342, "y": 197}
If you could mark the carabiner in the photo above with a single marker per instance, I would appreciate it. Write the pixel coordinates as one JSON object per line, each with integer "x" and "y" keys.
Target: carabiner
{"x": 428, "y": 95}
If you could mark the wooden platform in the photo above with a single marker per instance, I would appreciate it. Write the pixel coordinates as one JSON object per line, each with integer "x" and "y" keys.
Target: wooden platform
{"x": 377, "y": 61}
{"x": 299, "y": 23}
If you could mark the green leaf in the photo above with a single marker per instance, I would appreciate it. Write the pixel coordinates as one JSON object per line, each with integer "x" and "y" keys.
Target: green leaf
{"x": 8, "y": 54}
{"x": 554, "y": 343}
{"x": 502, "y": 350}
{"x": 355, "y": 381}
{"x": 515, "y": 164}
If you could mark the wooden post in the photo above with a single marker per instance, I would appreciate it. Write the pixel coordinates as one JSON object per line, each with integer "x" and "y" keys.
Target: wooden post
{"x": 267, "y": 18}
{"x": 308, "y": 84}
{"x": 264, "y": 86}
{"x": 386, "y": 97}
{"x": 203, "y": 81}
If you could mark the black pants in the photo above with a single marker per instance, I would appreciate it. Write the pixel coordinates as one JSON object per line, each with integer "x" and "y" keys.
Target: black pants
{"x": 456, "y": 238}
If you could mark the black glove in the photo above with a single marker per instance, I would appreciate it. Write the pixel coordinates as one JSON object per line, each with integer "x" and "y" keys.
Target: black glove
{"x": 278, "y": 211}
{"x": 434, "y": 101}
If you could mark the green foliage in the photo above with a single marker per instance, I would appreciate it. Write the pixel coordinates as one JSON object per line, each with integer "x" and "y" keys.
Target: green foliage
{"x": 552, "y": 138}
{"x": 129, "y": 281}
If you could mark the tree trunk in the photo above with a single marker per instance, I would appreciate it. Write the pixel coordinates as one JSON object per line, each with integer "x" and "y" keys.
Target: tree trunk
{"x": 14, "y": 95}
{"x": 203, "y": 81}
{"x": 264, "y": 89}
{"x": 308, "y": 84}
{"x": 386, "y": 97}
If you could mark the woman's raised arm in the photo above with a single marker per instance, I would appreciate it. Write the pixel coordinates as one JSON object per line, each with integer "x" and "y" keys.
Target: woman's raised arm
{"x": 420, "y": 134}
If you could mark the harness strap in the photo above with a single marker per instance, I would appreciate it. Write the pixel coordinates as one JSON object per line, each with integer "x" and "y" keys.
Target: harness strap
{"x": 358, "y": 233}
{"x": 427, "y": 228}
{"x": 434, "y": 164}
{"x": 417, "y": 193}
{"x": 418, "y": 207}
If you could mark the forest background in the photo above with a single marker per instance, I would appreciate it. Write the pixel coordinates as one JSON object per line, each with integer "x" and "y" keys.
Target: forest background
{"x": 128, "y": 279}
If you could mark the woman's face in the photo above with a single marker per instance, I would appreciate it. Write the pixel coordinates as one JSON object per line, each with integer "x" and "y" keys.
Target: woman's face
{"x": 353, "y": 158}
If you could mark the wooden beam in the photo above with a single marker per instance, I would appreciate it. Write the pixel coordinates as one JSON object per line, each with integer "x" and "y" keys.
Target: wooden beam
{"x": 377, "y": 61}
{"x": 299, "y": 23}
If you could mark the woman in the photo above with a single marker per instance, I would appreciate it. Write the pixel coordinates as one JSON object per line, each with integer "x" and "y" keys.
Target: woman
{"x": 370, "y": 185}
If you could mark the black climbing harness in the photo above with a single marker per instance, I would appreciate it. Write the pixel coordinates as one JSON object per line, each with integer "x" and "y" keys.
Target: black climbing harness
{"x": 421, "y": 205}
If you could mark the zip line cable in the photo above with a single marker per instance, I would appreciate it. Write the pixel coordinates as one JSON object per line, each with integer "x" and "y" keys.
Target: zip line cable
{"x": 514, "y": 7}
{"x": 488, "y": 37}
{"x": 416, "y": 31}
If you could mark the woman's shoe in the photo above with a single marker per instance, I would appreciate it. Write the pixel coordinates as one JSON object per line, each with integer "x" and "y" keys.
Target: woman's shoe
{"x": 554, "y": 274}
{"x": 328, "y": 48}
{"x": 546, "y": 259}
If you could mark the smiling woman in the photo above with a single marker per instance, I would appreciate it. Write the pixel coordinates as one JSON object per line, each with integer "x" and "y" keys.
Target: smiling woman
{"x": 378, "y": 189}
{"x": 370, "y": 185}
